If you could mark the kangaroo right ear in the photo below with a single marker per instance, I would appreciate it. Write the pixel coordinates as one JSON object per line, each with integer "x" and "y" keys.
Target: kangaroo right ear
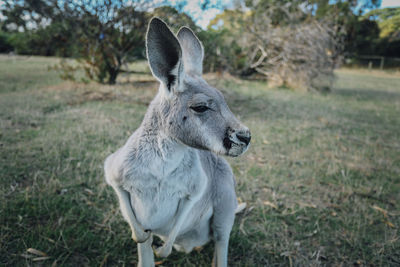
{"x": 193, "y": 51}
{"x": 164, "y": 54}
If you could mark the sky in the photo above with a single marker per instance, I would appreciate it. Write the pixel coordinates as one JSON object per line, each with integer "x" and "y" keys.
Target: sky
{"x": 203, "y": 17}
{"x": 193, "y": 8}
{"x": 390, "y": 3}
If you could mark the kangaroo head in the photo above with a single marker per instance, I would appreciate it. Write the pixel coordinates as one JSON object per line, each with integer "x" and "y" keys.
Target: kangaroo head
{"x": 192, "y": 111}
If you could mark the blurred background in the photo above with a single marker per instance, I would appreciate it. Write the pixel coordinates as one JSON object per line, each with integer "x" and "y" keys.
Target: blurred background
{"x": 317, "y": 82}
{"x": 291, "y": 43}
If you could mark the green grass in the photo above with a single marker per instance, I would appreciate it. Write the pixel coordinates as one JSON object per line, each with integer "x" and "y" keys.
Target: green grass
{"x": 321, "y": 179}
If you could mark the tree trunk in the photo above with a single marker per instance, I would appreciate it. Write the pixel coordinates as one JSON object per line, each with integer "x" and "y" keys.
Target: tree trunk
{"x": 113, "y": 76}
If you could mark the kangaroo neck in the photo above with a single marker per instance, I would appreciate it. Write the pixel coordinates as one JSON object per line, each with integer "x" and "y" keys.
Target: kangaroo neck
{"x": 156, "y": 133}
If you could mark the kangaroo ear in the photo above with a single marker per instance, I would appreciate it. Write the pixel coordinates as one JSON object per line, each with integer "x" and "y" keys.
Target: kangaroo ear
{"x": 164, "y": 54}
{"x": 193, "y": 52}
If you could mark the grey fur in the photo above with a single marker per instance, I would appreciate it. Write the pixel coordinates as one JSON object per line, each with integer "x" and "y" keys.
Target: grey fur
{"x": 168, "y": 176}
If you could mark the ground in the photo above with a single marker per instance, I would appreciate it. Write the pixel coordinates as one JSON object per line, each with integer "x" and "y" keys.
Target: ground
{"x": 321, "y": 179}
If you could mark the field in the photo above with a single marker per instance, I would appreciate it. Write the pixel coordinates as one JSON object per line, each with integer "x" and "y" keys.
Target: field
{"x": 321, "y": 179}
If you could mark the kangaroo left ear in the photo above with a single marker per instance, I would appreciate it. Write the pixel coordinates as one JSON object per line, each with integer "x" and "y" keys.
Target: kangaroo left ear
{"x": 164, "y": 54}
{"x": 192, "y": 51}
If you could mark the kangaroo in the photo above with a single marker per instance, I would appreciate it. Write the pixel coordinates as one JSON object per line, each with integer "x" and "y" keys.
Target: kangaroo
{"x": 169, "y": 177}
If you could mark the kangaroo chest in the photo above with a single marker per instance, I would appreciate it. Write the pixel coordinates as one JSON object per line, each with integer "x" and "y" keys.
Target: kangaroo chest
{"x": 156, "y": 188}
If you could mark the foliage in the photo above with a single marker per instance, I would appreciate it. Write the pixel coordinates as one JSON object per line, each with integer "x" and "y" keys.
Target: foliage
{"x": 5, "y": 45}
{"x": 293, "y": 43}
{"x": 105, "y": 35}
{"x": 388, "y": 21}
{"x": 297, "y": 51}
{"x": 108, "y": 44}
{"x": 279, "y": 41}
{"x": 221, "y": 41}
{"x": 374, "y": 33}
{"x": 362, "y": 37}
{"x": 47, "y": 41}
{"x": 21, "y": 43}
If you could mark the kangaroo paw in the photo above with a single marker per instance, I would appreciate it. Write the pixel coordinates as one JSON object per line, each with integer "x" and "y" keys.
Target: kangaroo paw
{"x": 140, "y": 236}
{"x": 163, "y": 251}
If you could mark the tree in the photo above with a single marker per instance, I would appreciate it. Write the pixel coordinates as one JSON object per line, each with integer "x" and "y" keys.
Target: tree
{"x": 280, "y": 41}
{"x": 388, "y": 21}
{"x": 292, "y": 48}
{"x": 108, "y": 32}
{"x": 359, "y": 34}
{"x": 5, "y": 45}
{"x": 296, "y": 43}
{"x": 109, "y": 35}
{"x": 221, "y": 41}
{"x": 363, "y": 38}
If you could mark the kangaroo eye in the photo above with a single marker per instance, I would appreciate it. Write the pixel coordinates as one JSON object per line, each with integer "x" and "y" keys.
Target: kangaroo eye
{"x": 200, "y": 109}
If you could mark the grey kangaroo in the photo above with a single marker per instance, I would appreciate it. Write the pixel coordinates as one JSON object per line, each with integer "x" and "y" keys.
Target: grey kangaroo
{"x": 168, "y": 177}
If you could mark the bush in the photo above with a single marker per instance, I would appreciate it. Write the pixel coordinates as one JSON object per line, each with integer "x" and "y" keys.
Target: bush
{"x": 284, "y": 45}
{"x": 20, "y": 42}
{"x": 5, "y": 45}
{"x": 222, "y": 51}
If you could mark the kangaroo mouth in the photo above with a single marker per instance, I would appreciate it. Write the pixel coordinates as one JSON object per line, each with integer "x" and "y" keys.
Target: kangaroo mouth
{"x": 228, "y": 143}
{"x": 234, "y": 149}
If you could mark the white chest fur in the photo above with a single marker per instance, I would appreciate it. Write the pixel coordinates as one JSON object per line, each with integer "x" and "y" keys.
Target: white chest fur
{"x": 158, "y": 179}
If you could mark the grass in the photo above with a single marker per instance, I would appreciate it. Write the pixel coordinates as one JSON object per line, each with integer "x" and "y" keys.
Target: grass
{"x": 321, "y": 180}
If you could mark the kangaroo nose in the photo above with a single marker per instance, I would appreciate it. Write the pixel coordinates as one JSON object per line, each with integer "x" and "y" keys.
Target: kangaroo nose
{"x": 244, "y": 137}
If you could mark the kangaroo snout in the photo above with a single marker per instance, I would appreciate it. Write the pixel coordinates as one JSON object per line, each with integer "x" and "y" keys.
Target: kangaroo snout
{"x": 236, "y": 142}
{"x": 244, "y": 136}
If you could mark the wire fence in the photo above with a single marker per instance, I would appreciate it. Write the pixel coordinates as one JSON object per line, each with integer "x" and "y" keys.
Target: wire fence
{"x": 374, "y": 62}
